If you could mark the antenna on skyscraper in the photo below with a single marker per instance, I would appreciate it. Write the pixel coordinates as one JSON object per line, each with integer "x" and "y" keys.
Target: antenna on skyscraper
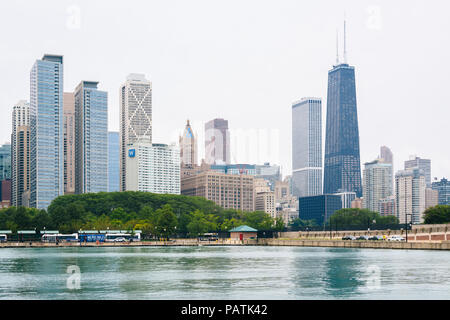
{"x": 337, "y": 46}
{"x": 345, "y": 41}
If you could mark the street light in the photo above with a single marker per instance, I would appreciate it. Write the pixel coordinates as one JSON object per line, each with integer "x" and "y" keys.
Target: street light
{"x": 406, "y": 224}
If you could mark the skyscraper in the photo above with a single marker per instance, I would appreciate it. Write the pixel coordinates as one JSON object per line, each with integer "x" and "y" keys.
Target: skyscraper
{"x": 91, "y": 136}
{"x": 188, "y": 147}
{"x": 410, "y": 195}
{"x": 307, "y": 147}
{"x": 422, "y": 164}
{"x": 113, "y": 161}
{"x": 217, "y": 142}
{"x": 20, "y": 155}
{"x": 388, "y": 157}
{"x": 135, "y": 117}
{"x": 69, "y": 142}
{"x": 342, "y": 170}
{"x": 377, "y": 183}
{"x": 46, "y": 131}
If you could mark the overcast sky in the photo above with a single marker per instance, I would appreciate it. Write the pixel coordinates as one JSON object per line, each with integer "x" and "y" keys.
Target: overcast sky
{"x": 247, "y": 61}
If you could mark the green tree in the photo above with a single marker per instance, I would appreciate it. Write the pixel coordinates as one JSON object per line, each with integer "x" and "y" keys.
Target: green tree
{"x": 166, "y": 221}
{"x": 438, "y": 214}
{"x": 199, "y": 224}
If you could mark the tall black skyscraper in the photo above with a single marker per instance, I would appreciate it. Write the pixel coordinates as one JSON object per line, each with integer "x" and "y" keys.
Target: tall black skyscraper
{"x": 342, "y": 170}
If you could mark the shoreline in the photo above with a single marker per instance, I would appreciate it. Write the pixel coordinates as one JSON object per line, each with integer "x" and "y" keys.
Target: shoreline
{"x": 443, "y": 245}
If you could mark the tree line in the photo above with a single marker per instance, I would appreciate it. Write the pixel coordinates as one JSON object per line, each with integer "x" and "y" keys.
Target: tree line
{"x": 157, "y": 215}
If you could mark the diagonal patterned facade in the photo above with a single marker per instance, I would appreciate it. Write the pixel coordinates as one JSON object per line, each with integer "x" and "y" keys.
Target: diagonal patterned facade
{"x": 135, "y": 117}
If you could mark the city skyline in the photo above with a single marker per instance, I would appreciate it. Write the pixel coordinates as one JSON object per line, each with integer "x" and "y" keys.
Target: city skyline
{"x": 322, "y": 39}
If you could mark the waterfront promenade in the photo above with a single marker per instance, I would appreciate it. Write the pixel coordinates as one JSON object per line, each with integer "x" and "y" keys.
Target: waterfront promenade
{"x": 418, "y": 245}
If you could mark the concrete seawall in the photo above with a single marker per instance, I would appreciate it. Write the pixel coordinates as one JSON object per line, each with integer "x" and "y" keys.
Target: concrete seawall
{"x": 443, "y": 245}
{"x": 357, "y": 244}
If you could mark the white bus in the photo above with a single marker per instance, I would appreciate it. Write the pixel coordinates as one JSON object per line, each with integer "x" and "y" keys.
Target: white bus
{"x": 48, "y": 237}
{"x": 120, "y": 237}
{"x": 3, "y": 238}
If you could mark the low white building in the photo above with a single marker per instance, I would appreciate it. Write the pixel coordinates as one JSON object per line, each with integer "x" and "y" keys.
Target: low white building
{"x": 153, "y": 168}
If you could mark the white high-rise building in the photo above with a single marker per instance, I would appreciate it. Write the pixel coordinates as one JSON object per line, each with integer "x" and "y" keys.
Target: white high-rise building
{"x": 307, "y": 147}
{"x": 377, "y": 177}
{"x": 153, "y": 168}
{"x": 135, "y": 117}
{"x": 410, "y": 195}
{"x": 20, "y": 155}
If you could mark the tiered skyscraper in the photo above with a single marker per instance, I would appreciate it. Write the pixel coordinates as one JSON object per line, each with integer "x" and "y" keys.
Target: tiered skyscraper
{"x": 135, "y": 117}
{"x": 20, "y": 156}
{"x": 307, "y": 147}
{"x": 91, "y": 136}
{"x": 188, "y": 147}
{"x": 46, "y": 131}
{"x": 342, "y": 170}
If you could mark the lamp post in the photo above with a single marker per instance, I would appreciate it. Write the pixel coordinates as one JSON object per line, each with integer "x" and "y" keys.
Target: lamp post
{"x": 406, "y": 224}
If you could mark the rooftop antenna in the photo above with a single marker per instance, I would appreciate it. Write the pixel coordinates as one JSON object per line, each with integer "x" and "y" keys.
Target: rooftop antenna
{"x": 345, "y": 41}
{"x": 337, "y": 46}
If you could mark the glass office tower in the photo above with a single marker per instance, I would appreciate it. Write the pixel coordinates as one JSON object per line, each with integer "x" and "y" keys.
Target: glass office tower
{"x": 307, "y": 147}
{"x": 46, "y": 131}
{"x": 342, "y": 172}
{"x": 91, "y": 138}
{"x": 113, "y": 162}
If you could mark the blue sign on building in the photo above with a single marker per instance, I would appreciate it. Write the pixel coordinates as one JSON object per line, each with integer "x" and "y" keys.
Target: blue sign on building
{"x": 132, "y": 153}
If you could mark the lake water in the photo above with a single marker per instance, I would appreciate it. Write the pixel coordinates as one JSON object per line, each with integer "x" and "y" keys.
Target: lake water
{"x": 223, "y": 273}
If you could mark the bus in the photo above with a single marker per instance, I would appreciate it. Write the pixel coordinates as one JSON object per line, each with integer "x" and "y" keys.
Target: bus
{"x": 60, "y": 237}
{"x": 3, "y": 238}
{"x": 112, "y": 237}
{"x": 209, "y": 237}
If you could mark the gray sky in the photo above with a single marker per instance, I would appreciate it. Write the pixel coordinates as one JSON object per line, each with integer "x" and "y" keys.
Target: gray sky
{"x": 247, "y": 61}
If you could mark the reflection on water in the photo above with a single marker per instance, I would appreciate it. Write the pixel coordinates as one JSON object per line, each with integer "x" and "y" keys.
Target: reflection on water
{"x": 225, "y": 273}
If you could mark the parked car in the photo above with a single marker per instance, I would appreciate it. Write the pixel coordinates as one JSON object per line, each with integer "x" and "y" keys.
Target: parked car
{"x": 350, "y": 237}
{"x": 376, "y": 238}
{"x": 121, "y": 239}
{"x": 363, "y": 237}
{"x": 396, "y": 238}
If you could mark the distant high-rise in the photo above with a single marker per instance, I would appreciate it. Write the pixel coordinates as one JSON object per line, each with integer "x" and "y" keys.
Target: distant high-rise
{"x": 91, "y": 138}
{"x": 422, "y": 164}
{"x": 5, "y": 171}
{"x": 443, "y": 188}
{"x": 20, "y": 155}
{"x": 188, "y": 147}
{"x": 377, "y": 183}
{"x": 69, "y": 142}
{"x": 307, "y": 147}
{"x": 46, "y": 131}
{"x": 388, "y": 157}
{"x": 217, "y": 142}
{"x": 135, "y": 117}
{"x": 113, "y": 162}
{"x": 410, "y": 195}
